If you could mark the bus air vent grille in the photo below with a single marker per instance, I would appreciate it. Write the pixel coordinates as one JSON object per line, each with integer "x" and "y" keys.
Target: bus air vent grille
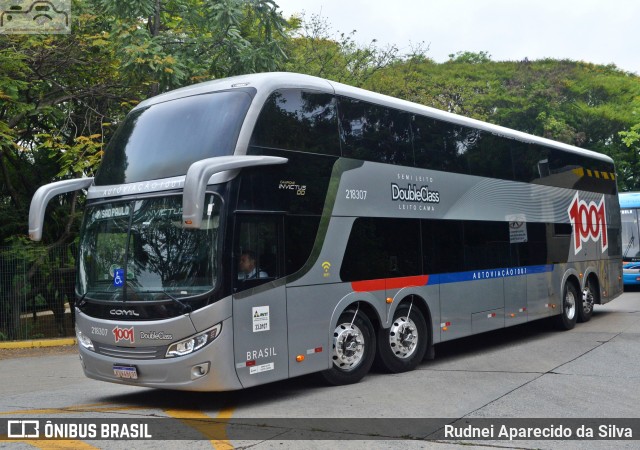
{"x": 130, "y": 352}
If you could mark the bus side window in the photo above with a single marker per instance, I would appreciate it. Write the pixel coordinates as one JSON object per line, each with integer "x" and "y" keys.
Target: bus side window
{"x": 292, "y": 119}
{"x": 375, "y": 133}
{"x": 382, "y": 248}
{"x": 257, "y": 250}
{"x": 437, "y": 145}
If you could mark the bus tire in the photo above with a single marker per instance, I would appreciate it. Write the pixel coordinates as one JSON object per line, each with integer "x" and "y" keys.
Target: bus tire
{"x": 587, "y": 300}
{"x": 402, "y": 346}
{"x": 566, "y": 320}
{"x": 353, "y": 349}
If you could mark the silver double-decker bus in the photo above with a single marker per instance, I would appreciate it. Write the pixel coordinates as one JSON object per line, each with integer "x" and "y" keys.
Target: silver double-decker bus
{"x": 262, "y": 227}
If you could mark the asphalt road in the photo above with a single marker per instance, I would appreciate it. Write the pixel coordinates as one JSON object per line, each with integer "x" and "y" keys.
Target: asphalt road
{"x": 530, "y": 371}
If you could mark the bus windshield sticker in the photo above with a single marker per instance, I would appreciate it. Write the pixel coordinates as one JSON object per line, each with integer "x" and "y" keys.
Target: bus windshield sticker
{"x": 111, "y": 213}
{"x": 118, "y": 277}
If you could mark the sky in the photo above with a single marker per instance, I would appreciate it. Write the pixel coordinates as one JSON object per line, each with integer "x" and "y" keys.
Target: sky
{"x": 595, "y": 31}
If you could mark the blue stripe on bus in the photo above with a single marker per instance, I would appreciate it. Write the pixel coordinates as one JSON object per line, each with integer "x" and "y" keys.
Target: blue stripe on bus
{"x": 488, "y": 274}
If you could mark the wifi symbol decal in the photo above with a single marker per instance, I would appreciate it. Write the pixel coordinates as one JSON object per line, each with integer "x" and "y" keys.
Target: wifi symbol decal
{"x": 326, "y": 266}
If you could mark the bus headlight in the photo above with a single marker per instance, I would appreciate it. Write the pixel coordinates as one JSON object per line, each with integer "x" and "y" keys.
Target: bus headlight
{"x": 194, "y": 343}
{"x": 84, "y": 340}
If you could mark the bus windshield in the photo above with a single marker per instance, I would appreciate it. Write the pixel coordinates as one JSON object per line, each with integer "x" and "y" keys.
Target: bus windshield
{"x": 138, "y": 250}
{"x": 630, "y": 241}
{"x": 164, "y": 139}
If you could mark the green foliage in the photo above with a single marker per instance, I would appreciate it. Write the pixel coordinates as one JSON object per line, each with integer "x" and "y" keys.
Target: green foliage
{"x": 62, "y": 95}
{"x": 169, "y": 43}
{"x": 59, "y": 94}
{"x": 79, "y": 158}
{"x": 316, "y": 50}
{"x": 470, "y": 57}
{"x": 628, "y": 161}
{"x": 123, "y": 9}
{"x": 631, "y": 138}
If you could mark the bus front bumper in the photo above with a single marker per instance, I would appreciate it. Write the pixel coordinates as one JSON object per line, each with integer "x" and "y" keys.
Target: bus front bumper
{"x": 208, "y": 369}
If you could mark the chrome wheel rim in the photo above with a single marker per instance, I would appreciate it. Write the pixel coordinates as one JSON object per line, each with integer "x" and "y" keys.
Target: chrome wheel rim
{"x": 570, "y": 305}
{"x": 588, "y": 301}
{"x": 348, "y": 346}
{"x": 403, "y": 337}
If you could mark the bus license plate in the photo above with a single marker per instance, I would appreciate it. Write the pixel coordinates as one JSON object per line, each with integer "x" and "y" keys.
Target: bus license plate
{"x": 129, "y": 372}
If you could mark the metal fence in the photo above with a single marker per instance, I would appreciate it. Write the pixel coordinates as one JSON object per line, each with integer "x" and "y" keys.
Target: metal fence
{"x": 36, "y": 292}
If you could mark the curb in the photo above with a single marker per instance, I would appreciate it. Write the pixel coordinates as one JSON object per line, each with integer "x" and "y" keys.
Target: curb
{"x": 38, "y": 343}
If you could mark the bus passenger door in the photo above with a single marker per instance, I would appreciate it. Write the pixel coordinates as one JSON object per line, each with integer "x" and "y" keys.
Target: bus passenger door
{"x": 259, "y": 299}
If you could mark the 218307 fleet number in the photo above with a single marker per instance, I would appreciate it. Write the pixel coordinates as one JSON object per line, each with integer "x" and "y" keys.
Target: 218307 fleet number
{"x": 356, "y": 194}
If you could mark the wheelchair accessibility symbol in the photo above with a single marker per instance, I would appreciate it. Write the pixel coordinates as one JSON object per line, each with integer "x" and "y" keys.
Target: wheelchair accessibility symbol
{"x": 118, "y": 277}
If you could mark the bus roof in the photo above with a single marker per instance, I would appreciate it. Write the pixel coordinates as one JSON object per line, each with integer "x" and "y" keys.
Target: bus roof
{"x": 629, "y": 199}
{"x": 271, "y": 81}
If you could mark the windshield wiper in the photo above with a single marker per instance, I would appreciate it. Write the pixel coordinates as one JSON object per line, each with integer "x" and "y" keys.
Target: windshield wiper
{"x": 80, "y": 303}
{"x": 185, "y": 308}
{"x": 628, "y": 246}
{"x": 83, "y": 301}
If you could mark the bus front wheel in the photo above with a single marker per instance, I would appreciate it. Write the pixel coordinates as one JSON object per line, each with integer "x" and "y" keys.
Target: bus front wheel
{"x": 402, "y": 347}
{"x": 570, "y": 303}
{"x": 354, "y": 349}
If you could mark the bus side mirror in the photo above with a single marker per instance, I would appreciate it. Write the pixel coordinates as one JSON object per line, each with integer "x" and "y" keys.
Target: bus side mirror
{"x": 199, "y": 175}
{"x": 42, "y": 197}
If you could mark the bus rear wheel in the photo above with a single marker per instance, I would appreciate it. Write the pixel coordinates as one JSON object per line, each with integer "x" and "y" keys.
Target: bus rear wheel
{"x": 585, "y": 311}
{"x": 354, "y": 349}
{"x": 402, "y": 347}
{"x": 570, "y": 302}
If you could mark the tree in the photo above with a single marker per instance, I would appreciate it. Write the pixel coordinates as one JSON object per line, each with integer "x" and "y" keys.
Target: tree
{"x": 316, "y": 50}
{"x": 627, "y": 176}
{"x": 62, "y": 95}
{"x": 165, "y": 44}
{"x": 470, "y": 57}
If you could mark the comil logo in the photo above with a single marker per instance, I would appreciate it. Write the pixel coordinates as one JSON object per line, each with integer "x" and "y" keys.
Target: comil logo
{"x": 589, "y": 221}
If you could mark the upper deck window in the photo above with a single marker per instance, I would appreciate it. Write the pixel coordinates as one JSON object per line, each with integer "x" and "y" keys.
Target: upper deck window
{"x": 375, "y": 133}
{"x": 292, "y": 119}
{"x": 164, "y": 139}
